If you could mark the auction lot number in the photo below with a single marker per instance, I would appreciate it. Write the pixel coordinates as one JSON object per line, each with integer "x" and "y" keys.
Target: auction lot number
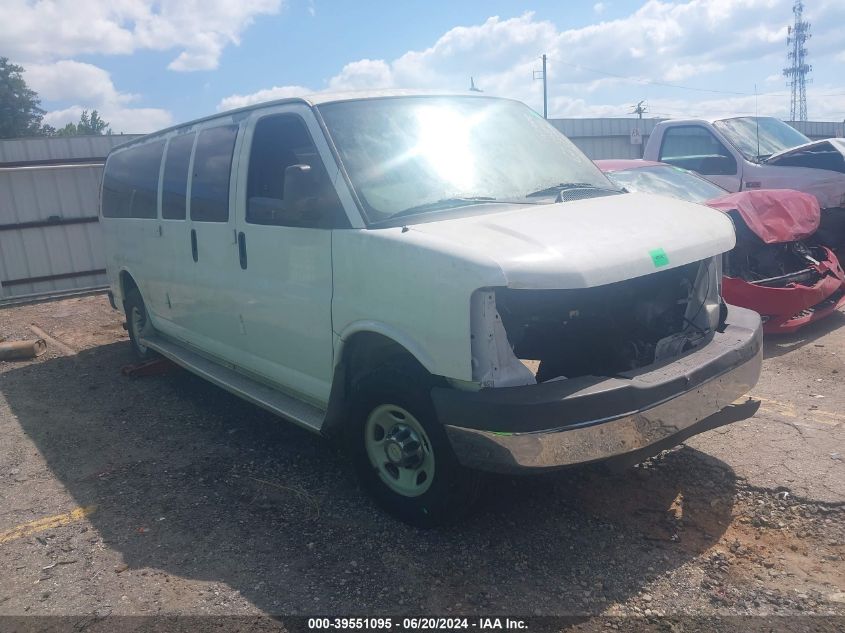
{"x": 415, "y": 624}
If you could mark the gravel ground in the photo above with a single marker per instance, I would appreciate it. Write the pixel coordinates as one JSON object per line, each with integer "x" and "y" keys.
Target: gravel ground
{"x": 165, "y": 495}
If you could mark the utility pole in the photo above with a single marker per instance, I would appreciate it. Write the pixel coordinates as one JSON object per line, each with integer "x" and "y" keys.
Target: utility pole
{"x": 538, "y": 74}
{"x": 545, "y": 91}
{"x": 798, "y": 68}
{"x": 639, "y": 110}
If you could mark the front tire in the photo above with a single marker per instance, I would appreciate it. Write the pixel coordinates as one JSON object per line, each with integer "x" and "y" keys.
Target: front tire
{"x": 138, "y": 324}
{"x": 401, "y": 453}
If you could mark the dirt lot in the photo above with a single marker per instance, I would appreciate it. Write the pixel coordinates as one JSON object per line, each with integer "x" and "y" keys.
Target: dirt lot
{"x": 166, "y": 495}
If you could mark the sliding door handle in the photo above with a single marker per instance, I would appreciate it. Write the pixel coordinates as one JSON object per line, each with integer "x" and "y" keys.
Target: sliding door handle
{"x": 242, "y": 249}
{"x": 194, "y": 252}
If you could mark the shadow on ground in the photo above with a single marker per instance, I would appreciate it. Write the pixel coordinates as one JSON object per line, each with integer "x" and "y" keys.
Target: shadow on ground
{"x": 775, "y": 345}
{"x": 193, "y": 481}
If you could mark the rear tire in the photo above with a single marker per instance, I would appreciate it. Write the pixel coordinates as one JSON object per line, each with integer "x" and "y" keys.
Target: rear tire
{"x": 138, "y": 324}
{"x": 400, "y": 451}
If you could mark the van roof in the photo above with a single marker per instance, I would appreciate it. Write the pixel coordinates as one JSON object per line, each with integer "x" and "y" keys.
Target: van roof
{"x": 314, "y": 99}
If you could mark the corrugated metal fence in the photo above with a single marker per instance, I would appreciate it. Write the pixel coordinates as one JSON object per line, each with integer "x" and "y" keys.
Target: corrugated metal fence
{"x": 50, "y": 240}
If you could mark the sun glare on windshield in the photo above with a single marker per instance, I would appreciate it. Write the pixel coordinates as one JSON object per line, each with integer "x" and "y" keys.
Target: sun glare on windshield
{"x": 444, "y": 142}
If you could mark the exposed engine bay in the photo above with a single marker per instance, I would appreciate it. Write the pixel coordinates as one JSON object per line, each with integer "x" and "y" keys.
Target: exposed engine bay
{"x": 606, "y": 330}
{"x": 775, "y": 265}
{"x": 771, "y": 265}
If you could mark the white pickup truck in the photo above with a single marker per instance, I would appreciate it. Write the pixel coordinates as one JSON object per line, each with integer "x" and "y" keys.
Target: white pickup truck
{"x": 443, "y": 284}
{"x": 758, "y": 153}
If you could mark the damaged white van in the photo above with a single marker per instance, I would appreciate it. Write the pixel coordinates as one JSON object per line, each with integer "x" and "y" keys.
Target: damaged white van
{"x": 444, "y": 284}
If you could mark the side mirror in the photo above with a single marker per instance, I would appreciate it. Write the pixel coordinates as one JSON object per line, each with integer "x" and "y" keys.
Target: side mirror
{"x": 299, "y": 184}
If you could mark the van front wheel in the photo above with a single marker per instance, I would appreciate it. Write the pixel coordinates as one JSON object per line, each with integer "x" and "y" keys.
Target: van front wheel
{"x": 401, "y": 453}
{"x": 138, "y": 324}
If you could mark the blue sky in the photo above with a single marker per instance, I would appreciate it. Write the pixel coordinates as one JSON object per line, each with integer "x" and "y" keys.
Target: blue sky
{"x": 145, "y": 64}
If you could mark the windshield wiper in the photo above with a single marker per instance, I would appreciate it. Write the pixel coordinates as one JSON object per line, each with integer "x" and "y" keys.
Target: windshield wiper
{"x": 556, "y": 189}
{"x": 445, "y": 203}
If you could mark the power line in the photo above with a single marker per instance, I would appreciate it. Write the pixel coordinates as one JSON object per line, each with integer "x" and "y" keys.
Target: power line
{"x": 681, "y": 87}
{"x": 650, "y": 81}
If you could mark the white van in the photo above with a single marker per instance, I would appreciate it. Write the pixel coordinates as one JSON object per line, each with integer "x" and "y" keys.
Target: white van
{"x": 444, "y": 284}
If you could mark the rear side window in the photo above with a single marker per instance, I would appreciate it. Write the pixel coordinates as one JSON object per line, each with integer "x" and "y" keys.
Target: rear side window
{"x": 174, "y": 184}
{"x": 212, "y": 170}
{"x": 130, "y": 182}
{"x": 694, "y": 147}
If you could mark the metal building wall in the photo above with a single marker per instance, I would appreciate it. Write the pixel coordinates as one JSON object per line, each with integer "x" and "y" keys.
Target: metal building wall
{"x": 606, "y": 138}
{"x": 58, "y": 150}
{"x": 50, "y": 238}
{"x": 819, "y": 129}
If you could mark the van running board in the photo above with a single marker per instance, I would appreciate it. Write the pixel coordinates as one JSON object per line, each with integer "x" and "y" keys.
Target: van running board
{"x": 255, "y": 392}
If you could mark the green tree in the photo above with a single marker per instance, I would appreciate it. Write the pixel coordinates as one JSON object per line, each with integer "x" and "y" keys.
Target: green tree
{"x": 20, "y": 114}
{"x": 88, "y": 125}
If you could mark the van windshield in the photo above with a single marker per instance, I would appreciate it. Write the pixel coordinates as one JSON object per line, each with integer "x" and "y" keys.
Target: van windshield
{"x": 757, "y": 138}
{"x": 407, "y": 156}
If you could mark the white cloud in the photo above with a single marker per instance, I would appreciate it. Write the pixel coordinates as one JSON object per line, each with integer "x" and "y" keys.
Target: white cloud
{"x": 365, "y": 73}
{"x": 121, "y": 120}
{"x": 269, "y": 94}
{"x": 69, "y": 80}
{"x": 198, "y": 29}
{"x": 679, "y": 72}
{"x": 662, "y": 41}
{"x": 599, "y": 8}
{"x": 89, "y": 87}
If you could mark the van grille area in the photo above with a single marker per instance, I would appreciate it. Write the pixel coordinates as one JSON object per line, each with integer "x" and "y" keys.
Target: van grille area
{"x": 599, "y": 331}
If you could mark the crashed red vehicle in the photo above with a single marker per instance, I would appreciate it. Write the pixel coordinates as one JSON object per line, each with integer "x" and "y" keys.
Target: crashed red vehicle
{"x": 772, "y": 270}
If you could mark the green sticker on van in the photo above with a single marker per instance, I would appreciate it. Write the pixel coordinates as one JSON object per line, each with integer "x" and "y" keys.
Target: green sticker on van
{"x": 659, "y": 257}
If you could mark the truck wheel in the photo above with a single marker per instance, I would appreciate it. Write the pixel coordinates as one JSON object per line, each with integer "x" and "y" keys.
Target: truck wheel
{"x": 138, "y": 324}
{"x": 401, "y": 453}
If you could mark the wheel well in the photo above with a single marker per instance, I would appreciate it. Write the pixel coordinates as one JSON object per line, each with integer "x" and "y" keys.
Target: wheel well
{"x": 127, "y": 284}
{"x": 361, "y": 354}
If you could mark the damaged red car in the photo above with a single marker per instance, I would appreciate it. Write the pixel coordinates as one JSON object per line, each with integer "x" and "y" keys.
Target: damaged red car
{"x": 772, "y": 269}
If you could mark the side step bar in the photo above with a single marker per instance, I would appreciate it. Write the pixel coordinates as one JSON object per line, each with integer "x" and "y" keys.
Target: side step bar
{"x": 255, "y": 392}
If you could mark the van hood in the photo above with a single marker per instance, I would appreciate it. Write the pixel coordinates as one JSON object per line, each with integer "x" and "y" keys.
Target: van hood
{"x": 587, "y": 243}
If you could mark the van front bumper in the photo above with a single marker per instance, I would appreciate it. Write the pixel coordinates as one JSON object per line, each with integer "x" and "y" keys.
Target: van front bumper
{"x": 624, "y": 419}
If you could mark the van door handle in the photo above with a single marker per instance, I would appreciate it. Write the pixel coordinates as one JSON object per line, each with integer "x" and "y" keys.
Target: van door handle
{"x": 194, "y": 253}
{"x": 242, "y": 249}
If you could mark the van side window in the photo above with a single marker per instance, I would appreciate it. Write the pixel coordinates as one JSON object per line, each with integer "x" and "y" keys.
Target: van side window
{"x": 694, "y": 147}
{"x": 287, "y": 183}
{"x": 174, "y": 183}
{"x": 212, "y": 170}
{"x": 130, "y": 182}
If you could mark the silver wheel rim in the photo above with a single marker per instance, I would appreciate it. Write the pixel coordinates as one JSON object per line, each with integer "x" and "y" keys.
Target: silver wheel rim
{"x": 137, "y": 321}
{"x": 399, "y": 450}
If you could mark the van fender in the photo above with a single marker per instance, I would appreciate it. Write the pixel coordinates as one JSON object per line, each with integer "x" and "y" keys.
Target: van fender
{"x": 393, "y": 333}
{"x": 338, "y": 397}
{"x": 120, "y": 294}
